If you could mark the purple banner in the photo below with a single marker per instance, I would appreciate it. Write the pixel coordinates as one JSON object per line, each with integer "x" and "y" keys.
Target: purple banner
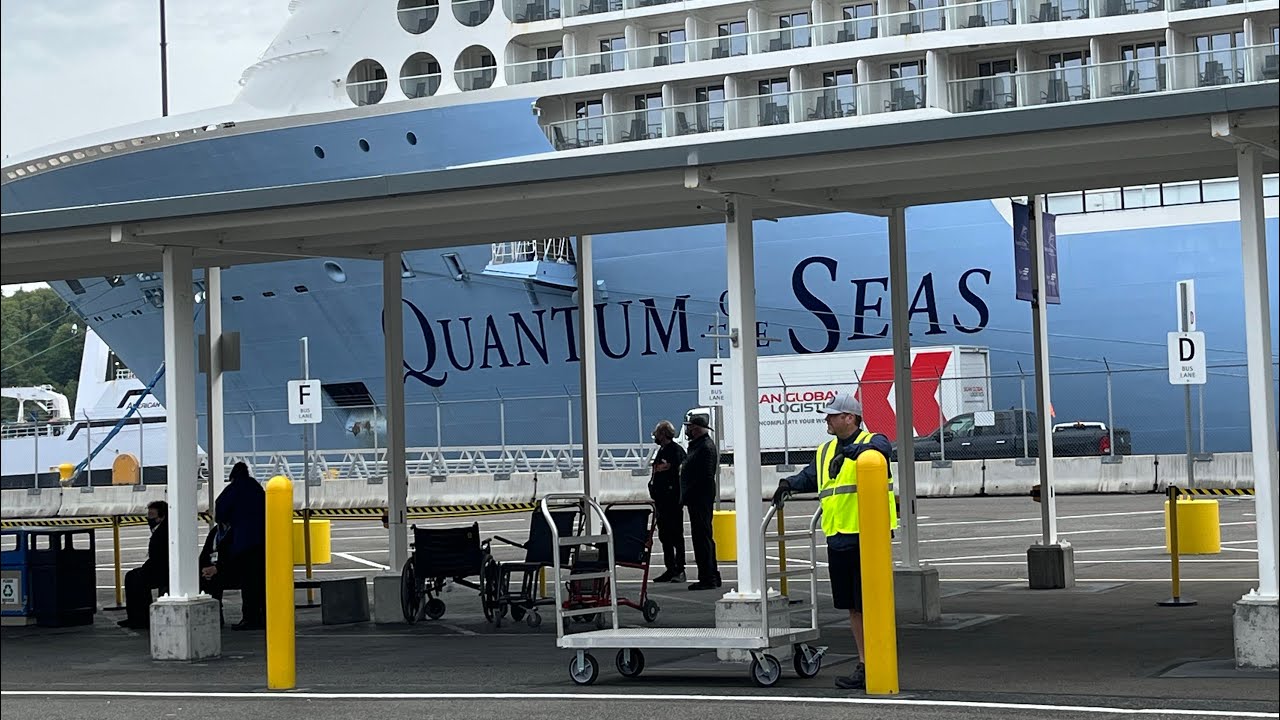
{"x": 1022, "y": 254}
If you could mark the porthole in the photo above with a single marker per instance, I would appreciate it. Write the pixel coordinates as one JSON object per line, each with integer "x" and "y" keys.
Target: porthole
{"x": 367, "y": 82}
{"x": 475, "y": 69}
{"x": 417, "y": 16}
{"x": 420, "y": 75}
{"x": 472, "y": 13}
{"x": 319, "y": 151}
{"x": 364, "y": 145}
{"x": 411, "y": 138}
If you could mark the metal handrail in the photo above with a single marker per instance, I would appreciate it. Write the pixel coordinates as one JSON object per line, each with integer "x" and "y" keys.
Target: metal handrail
{"x": 811, "y": 570}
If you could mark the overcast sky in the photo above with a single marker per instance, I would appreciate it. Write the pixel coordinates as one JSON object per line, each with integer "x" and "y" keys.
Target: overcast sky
{"x": 72, "y": 67}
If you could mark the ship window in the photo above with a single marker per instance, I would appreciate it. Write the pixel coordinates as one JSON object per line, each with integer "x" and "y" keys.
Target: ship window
{"x": 795, "y": 31}
{"x": 300, "y": 289}
{"x": 420, "y": 76}
{"x": 472, "y": 12}
{"x": 417, "y": 16}
{"x": 475, "y": 69}
{"x": 367, "y": 82}
{"x": 269, "y": 293}
{"x": 319, "y": 151}
{"x": 76, "y": 287}
{"x": 364, "y": 145}
{"x": 348, "y": 394}
{"x": 411, "y": 138}
{"x": 237, "y": 298}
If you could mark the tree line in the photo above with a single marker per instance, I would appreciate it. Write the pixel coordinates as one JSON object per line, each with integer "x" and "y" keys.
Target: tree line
{"x": 41, "y": 341}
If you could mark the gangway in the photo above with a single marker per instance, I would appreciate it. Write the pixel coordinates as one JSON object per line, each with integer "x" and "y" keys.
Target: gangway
{"x": 765, "y": 669}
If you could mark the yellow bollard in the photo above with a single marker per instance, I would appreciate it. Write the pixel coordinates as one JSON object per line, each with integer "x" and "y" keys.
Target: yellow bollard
{"x": 724, "y": 531}
{"x": 281, "y": 665}
{"x": 1175, "y": 576}
{"x": 878, "y": 620}
{"x": 115, "y": 544}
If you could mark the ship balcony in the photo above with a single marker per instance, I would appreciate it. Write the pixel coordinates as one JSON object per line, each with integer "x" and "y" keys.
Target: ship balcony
{"x": 1058, "y": 10}
{"x": 1116, "y": 8}
{"x": 535, "y": 70}
{"x": 595, "y": 63}
{"x": 472, "y": 13}
{"x": 528, "y": 11}
{"x": 892, "y": 95}
{"x": 1115, "y": 79}
{"x": 577, "y": 132}
{"x": 418, "y": 86}
{"x": 578, "y": 8}
{"x": 367, "y": 92}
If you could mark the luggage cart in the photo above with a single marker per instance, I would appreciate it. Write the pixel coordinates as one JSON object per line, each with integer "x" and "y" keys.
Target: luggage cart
{"x": 765, "y": 669}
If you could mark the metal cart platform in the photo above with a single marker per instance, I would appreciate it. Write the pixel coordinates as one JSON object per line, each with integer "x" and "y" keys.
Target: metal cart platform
{"x": 765, "y": 669}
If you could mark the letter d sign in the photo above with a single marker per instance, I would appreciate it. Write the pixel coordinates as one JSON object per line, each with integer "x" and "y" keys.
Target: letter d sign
{"x": 1186, "y": 358}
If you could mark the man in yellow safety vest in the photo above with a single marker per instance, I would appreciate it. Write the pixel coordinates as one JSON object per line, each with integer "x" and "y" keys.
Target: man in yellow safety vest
{"x": 834, "y": 476}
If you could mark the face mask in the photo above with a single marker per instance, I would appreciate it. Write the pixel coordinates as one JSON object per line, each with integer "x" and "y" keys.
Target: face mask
{"x": 153, "y": 523}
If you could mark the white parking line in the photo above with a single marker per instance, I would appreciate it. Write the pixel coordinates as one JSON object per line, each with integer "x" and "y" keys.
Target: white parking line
{"x": 362, "y": 561}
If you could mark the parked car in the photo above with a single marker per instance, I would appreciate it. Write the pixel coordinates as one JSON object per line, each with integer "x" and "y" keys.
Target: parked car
{"x": 1000, "y": 434}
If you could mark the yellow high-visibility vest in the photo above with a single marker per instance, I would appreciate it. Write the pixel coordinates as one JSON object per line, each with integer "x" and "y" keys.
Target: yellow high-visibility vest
{"x": 839, "y": 494}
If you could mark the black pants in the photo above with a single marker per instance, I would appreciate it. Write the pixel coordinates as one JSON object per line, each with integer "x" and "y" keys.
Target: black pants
{"x": 246, "y": 572}
{"x": 138, "y": 584}
{"x": 704, "y": 546}
{"x": 671, "y": 533}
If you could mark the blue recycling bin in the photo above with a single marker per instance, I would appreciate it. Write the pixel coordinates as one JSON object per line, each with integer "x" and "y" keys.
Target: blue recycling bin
{"x": 49, "y": 576}
{"x": 15, "y": 578}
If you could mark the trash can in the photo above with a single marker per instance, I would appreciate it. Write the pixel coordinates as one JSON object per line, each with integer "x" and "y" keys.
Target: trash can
{"x": 15, "y": 578}
{"x": 60, "y": 564}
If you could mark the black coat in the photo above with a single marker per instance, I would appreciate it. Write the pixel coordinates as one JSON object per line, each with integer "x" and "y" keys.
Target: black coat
{"x": 664, "y": 487}
{"x": 698, "y": 472}
{"x": 156, "y": 566}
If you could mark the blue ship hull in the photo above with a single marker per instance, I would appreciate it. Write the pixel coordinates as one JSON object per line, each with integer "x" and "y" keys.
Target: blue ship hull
{"x": 821, "y": 286}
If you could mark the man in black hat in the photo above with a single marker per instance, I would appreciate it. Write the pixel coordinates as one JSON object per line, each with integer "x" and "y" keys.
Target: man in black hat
{"x": 699, "y": 491}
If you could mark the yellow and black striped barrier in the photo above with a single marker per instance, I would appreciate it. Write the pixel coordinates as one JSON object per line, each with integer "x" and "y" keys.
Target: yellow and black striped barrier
{"x": 1175, "y": 549}
{"x": 1213, "y": 491}
{"x": 415, "y": 512}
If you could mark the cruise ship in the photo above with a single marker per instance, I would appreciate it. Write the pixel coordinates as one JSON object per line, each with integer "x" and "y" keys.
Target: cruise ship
{"x": 355, "y": 89}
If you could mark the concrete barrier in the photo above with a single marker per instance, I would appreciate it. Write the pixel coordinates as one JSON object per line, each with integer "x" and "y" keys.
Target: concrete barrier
{"x": 20, "y": 504}
{"x": 964, "y": 478}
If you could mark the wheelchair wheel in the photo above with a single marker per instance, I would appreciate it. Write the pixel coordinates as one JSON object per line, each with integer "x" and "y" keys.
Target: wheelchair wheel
{"x": 410, "y": 592}
{"x": 435, "y": 608}
{"x": 517, "y": 612}
{"x": 493, "y": 609}
{"x": 650, "y": 610}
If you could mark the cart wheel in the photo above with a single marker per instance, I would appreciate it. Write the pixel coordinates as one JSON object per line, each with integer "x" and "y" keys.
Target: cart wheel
{"x": 435, "y": 608}
{"x": 650, "y": 610}
{"x": 410, "y": 598}
{"x": 766, "y": 675}
{"x": 533, "y": 619}
{"x": 587, "y": 672}
{"x": 630, "y": 663}
{"x": 517, "y": 612}
{"x": 807, "y": 663}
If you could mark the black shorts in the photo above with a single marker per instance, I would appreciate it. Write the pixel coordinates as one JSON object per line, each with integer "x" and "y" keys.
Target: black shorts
{"x": 845, "y": 567}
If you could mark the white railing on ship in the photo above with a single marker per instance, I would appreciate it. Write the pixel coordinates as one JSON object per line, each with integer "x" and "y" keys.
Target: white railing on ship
{"x": 555, "y": 250}
{"x": 371, "y": 464}
{"x": 71, "y": 157}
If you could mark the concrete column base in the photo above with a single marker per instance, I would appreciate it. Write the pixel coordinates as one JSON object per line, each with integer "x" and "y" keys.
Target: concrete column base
{"x": 917, "y": 595}
{"x": 739, "y": 611}
{"x": 1051, "y": 567}
{"x": 386, "y": 600}
{"x": 1256, "y": 623}
{"x": 185, "y": 629}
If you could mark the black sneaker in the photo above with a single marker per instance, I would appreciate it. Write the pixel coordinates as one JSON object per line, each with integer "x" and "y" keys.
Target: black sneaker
{"x": 678, "y": 577}
{"x": 664, "y": 577}
{"x": 703, "y": 585}
{"x": 857, "y": 680}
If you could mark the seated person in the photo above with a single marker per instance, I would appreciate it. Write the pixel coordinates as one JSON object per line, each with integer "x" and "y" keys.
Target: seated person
{"x": 220, "y": 571}
{"x": 150, "y": 575}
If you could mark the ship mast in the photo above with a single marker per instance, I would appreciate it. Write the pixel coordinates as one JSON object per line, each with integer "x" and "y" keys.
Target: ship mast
{"x": 164, "y": 66}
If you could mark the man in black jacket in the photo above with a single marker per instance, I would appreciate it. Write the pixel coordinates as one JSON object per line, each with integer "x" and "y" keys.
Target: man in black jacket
{"x": 234, "y": 551}
{"x": 698, "y": 491}
{"x": 150, "y": 575}
{"x": 664, "y": 488}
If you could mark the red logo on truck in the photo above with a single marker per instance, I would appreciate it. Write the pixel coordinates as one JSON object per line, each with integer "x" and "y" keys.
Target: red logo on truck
{"x": 877, "y": 383}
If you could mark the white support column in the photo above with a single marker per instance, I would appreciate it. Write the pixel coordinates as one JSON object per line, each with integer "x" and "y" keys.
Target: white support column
{"x": 744, "y": 383}
{"x": 1050, "y": 564}
{"x": 905, "y": 482}
{"x": 184, "y": 623}
{"x": 213, "y": 401}
{"x": 397, "y": 480}
{"x": 1257, "y": 613}
{"x": 917, "y": 589}
{"x": 180, "y": 402}
{"x": 587, "y": 345}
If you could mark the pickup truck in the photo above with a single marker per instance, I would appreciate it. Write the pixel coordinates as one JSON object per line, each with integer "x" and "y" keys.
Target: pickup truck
{"x": 1001, "y": 436}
